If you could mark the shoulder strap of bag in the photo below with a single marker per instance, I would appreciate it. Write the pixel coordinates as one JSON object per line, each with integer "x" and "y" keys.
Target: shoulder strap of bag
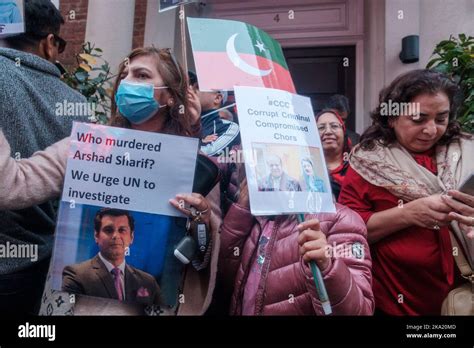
{"x": 460, "y": 259}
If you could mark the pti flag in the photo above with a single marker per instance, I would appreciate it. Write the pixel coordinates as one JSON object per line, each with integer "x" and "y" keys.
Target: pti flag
{"x": 229, "y": 53}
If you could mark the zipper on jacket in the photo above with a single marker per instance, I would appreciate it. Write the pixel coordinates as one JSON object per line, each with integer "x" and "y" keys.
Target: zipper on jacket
{"x": 260, "y": 296}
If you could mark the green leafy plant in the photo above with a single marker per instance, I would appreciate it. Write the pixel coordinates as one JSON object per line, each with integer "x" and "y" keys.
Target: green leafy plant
{"x": 91, "y": 77}
{"x": 456, "y": 58}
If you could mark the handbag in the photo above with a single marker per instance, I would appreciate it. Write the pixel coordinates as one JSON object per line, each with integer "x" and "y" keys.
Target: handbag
{"x": 460, "y": 301}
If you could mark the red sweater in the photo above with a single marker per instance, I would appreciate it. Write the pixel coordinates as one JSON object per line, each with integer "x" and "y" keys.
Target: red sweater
{"x": 413, "y": 269}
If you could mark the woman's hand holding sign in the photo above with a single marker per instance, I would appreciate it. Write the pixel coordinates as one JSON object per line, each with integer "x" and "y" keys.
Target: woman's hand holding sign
{"x": 199, "y": 206}
{"x": 313, "y": 244}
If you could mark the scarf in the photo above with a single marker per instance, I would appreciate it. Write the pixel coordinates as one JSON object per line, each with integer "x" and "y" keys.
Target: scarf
{"x": 393, "y": 168}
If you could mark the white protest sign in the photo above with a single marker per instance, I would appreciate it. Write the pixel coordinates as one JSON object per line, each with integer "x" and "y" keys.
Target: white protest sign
{"x": 128, "y": 169}
{"x": 284, "y": 163}
{"x": 11, "y": 17}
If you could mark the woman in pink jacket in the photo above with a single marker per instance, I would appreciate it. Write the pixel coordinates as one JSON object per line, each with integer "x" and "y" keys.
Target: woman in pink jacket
{"x": 265, "y": 260}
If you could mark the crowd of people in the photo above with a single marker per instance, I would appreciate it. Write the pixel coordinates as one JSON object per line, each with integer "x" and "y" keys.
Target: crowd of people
{"x": 395, "y": 190}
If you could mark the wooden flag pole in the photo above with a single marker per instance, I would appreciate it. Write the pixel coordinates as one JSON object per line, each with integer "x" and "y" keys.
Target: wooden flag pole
{"x": 182, "y": 17}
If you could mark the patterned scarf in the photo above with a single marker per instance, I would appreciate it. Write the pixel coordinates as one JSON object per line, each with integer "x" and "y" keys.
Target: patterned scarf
{"x": 393, "y": 168}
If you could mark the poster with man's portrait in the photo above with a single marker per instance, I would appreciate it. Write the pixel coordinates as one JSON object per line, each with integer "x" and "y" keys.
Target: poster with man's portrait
{"x": 118, "y": 254}
{"x": 284, "y": 161}
{"x": 117, "y": 232}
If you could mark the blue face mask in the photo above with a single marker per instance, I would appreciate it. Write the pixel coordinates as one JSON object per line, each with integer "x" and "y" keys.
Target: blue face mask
{"x": 136, "y": 101}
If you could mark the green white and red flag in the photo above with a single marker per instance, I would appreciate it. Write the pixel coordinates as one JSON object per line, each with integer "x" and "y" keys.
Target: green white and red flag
{"x": 230, "y": 53}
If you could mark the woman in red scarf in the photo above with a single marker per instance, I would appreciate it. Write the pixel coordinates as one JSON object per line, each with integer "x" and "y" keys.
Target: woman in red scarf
{"x": 336, "y": 146}
{"x": 397, "y": 176}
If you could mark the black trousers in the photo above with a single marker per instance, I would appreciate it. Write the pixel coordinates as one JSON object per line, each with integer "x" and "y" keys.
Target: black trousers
{"x": 20, "y": 293}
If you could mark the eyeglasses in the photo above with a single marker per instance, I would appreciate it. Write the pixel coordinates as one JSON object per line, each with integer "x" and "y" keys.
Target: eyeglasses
{"x": 333, "y": 126}
{"x": 61, "y": 43}
{"x": 58, "y": 39}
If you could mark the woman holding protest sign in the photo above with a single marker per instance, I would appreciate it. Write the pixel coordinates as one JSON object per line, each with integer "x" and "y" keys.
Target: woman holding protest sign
{"x": 265, "y": 261}
{"x": 403, "y": 180}
{"x": 150, "y": 94}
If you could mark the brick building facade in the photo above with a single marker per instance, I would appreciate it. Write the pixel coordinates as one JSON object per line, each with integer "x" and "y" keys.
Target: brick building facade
{"x": 74, "y": 30}
{"x": 139, "y": 23}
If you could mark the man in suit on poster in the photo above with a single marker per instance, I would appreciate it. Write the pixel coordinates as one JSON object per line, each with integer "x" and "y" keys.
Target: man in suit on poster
{"x": 107, "y": 274}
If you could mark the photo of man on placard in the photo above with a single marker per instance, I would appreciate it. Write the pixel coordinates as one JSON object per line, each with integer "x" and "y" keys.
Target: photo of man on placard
{"x": 107, "y": 274}
{"x": 278, "y": 179}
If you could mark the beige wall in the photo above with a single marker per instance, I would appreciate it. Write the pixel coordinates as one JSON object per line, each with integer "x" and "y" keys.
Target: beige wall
{"x": 110, "y": 27}
{"x": 395, "y": 30}
{"x": 432, "y": 20}
{"x": 163, "y": 30}
{"x": 160, "y": 28}
{"x": 439, "y": 19}
{"x": 374, "y": 59}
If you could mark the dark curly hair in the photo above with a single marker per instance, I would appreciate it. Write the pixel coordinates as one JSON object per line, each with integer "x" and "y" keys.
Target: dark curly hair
{"x": 403, "y": 90}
